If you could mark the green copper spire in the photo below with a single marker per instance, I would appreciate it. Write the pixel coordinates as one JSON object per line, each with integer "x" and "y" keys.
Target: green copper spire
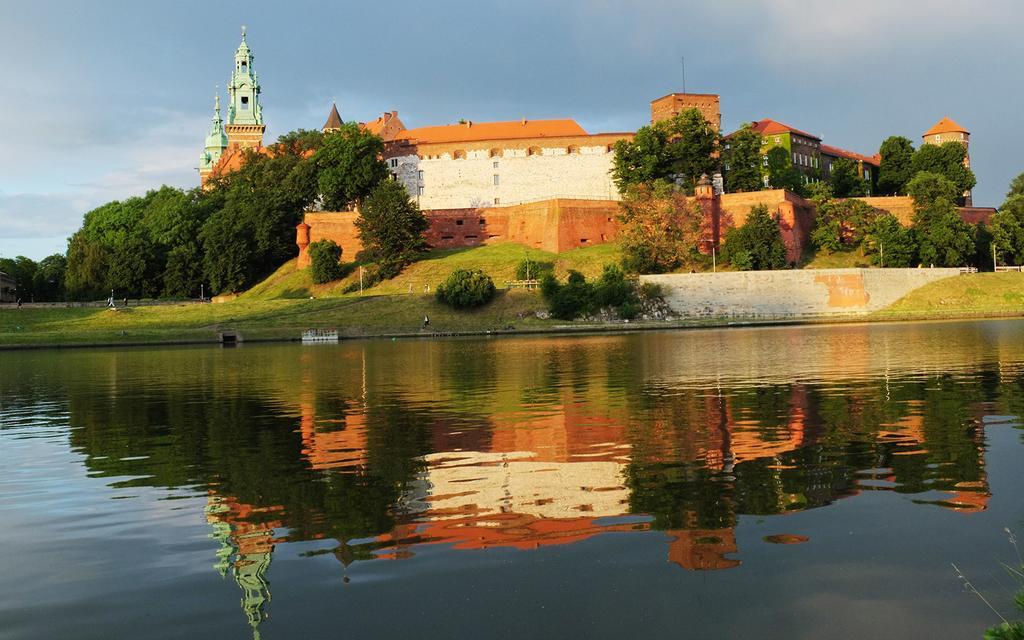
{"x": 244, "y": 89}
{"x": 216, "y": 139}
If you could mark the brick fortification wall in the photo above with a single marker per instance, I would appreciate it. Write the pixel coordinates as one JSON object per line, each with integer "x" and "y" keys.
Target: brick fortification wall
{"x": 552, "y": 225}
{"x": 795, "y": 216}
{"x": 902, "y": 207}
{"x": 795, "y": 293}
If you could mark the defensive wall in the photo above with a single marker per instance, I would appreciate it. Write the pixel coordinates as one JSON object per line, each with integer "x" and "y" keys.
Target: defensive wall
{"x": 792, "y": 293}
{"x": 552, "y": 225}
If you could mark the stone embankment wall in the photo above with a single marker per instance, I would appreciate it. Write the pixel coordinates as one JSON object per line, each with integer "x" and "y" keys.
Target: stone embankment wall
{"x": 794, "y": 293}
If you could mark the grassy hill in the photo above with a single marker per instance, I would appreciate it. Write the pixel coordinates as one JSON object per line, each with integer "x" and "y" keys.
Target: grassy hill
{"x": 497, "y": 260}
{"x": 966, "y": 295}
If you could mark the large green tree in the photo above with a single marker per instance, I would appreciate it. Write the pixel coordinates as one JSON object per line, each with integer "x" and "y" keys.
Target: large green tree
{"x": 680, "y": 149}
{"x": 349, "y": 166}
{"x": 743, "y": 161}
{"x": 946, "y": 160}
{"x": 23, "y": 270}
{"x": 660, "y": 229}
{"x": 253, "y": 233}
{"x": 391, "y": 227}
{"x": 896, "y": 168}
{"x": 944, "y": 239}
{"x": 846, "y": 181}
{"x": 757, "y": 244}
{"x": 1008, "y": 230}
{"x": 842, "y": 224}
{"x": 889, "y": 244}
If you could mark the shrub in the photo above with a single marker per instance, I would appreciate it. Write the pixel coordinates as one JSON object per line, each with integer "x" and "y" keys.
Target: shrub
{"x": 651, "y": 291}
{"x": 757, "y": 245}
{"x": 577, "y": 297}
{"x": 324, "y": 257}
{"x": 528, "y": 269}
{"x": 466, "y": 288}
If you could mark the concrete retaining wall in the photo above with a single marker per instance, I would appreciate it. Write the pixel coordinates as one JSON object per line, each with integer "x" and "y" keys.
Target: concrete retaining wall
{"x": 821, "y": 292}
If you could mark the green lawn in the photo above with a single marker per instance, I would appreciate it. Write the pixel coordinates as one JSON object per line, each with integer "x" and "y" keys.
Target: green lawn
{"x": 966, "y": 295}
{"x": 351, "y": 315}
{"x": 497, "y": 260}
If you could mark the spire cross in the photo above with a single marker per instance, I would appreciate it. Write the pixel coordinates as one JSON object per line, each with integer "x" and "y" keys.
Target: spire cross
{"x": 243, "y": 32}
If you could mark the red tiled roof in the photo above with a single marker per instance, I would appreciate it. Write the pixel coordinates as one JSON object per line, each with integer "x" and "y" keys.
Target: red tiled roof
{"x": 479, "y": 131}
{"x": 946, "y": 125}
{"x": 768, "y": 127}
{"x": 875, "y": 160}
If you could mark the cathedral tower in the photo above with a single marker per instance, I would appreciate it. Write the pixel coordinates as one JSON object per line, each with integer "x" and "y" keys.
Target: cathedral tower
{"x": 216, "y": 142}
{"x": 245, "y": 115}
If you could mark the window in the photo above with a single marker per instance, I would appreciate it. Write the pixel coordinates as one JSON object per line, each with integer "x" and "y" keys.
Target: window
{"x": 245, "y": 103}
{"x": 777, "y": 139}
{"x": 394, "y": 163}
{"x": 496, "y": 153}
{"x": 584, "y": 241}
{"x": 533, "y": 151}
{"x": 572, "y": 149}
{"x": 496, "y": 201}
{"x": 495, "y": 165}
{"x": 496, "y": 179}
{"x": 419, "y": 191}
{"x": 765, "y": 180}
{"x": 420, "y": 175}
{"x": 459, "y": 154}
{"x": 938, "y": 138}
{"x": 764, "y": 160}
{"x": 458, "y": 222}
{"x": 796, "y": 158}
{"x": 483, "y": 221}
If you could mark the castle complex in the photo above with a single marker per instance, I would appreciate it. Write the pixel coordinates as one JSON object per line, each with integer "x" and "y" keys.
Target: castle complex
{"x": 542, "y": 183}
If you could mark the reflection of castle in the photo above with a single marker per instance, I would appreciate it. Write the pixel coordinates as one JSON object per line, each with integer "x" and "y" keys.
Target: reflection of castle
{"x": 247, "y": 545}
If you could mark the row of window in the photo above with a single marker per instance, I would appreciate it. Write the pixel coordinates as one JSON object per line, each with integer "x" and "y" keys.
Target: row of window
{"x": 805, "y": 160}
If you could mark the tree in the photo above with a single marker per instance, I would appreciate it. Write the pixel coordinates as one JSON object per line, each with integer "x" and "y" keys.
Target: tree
{"x": 391, "y": 227}
{"x": 349, "y": 166}
{"x": 1016, "y": 187}
{"x": 131, "y": 272}
{"x": 466, "y": 288}
{"x": 88, "y": 262}
{"x": 946, "y": 160}
{"x": 846, "y": 181}
{"x": 781, "y": 172}
{"x": 889, "y": 244}
{"x": 896, "y": 168}
{"x": 743, "y": 161}
{"x": 680, "y": 149}
{"x": 944, "y": 239}
{"x": 1008, "y": 230}
{"x": 23, "y": 270}
{"x": 757, "y": 244}
{"x": 325, "y": 259}
{"x": 660, "y": 228}
{"x": 48, "y": 280}
{"x": 253, "y": 232}
{"x": 842, "y": 224}
{"x": 299, "y": 142}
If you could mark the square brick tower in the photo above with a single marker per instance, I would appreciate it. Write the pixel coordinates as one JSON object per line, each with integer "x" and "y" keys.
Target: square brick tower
{"x": 709, "y": 105}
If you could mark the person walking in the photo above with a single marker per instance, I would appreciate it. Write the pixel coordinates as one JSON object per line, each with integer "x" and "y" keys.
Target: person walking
{"x": 426, "y": 322}
{"x": 19, "y": 303}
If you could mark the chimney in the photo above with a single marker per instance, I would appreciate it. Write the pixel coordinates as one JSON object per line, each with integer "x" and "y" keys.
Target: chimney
{"x": 524, "y": 121}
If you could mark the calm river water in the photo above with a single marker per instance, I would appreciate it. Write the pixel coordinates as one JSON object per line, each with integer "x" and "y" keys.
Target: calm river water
{"x": 800, "y": 482}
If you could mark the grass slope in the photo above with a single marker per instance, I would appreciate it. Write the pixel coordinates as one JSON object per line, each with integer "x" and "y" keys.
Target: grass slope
{"x": 969, "y": 294}
{"x": 497, "y": 260}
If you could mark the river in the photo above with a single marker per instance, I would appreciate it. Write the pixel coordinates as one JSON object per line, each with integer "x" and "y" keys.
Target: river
{"x": 788, "y": 482}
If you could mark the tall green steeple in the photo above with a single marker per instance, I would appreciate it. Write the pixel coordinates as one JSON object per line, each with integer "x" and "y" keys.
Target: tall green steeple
{"x": 216, "y": 141}
{"x": 244, "y": 89}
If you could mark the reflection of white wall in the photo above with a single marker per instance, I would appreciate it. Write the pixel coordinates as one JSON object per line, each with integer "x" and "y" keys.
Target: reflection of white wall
{"x": 485, "y": 483}
{"x": 449, "y": 183}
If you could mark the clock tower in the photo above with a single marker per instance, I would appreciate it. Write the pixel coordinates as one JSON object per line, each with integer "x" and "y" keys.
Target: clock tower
{"x": 245, "y": 114}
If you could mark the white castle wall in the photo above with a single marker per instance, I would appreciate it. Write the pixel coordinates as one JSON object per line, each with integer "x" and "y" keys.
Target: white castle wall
{"x": 801, "y": 292}
{"x": 451, "y": 183}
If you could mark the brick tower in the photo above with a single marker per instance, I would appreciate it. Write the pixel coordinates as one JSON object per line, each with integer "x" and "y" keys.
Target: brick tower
{"x": 245, "y": 115}
{"x": 946, "y": 130}
{"x": 709, "y": 105}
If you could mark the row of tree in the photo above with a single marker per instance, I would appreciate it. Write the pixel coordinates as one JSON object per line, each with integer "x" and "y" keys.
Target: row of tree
{"x": 170, "y": 242}
{"x": 41, "y": 281}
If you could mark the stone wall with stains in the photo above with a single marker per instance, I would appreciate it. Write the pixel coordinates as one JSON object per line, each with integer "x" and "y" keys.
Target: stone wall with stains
{"x": 794, "y": 293}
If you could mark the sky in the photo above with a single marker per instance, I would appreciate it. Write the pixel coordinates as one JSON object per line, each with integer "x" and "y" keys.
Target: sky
{"x": 104, "y": 100}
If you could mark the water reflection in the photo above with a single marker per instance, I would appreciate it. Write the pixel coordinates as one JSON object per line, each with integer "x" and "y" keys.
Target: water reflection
{"x": 383, "y": 448}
